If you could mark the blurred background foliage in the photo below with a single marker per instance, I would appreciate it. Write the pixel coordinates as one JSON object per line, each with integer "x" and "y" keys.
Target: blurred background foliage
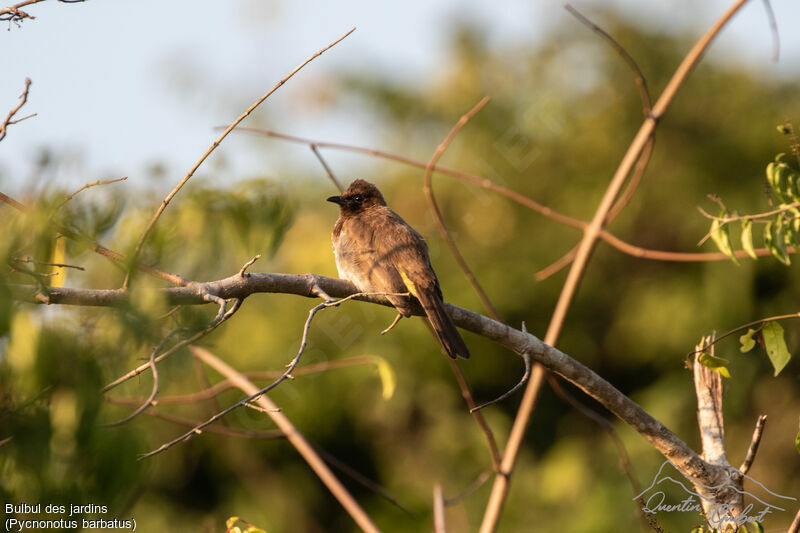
{"x": 560, "y": 118}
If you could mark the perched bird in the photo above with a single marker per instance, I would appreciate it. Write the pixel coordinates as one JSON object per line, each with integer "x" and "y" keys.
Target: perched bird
{"x": 378, "y": 251}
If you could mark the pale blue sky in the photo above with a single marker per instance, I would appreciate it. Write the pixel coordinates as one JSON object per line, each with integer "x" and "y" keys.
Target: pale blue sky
{"x": 104, "y": 73}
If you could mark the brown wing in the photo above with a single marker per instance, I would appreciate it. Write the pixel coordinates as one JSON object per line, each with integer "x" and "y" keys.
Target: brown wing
{"x": 403, "y": 252}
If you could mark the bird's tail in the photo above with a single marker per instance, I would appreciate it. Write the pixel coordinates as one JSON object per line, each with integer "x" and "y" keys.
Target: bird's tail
{"x": 443, "y": 326}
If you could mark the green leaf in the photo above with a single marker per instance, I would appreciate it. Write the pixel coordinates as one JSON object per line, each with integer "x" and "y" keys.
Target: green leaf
{"x": 747, "y": 341}
{"x": 773, "y": 178}
{"x": 722, "y": 237}
{"x": 747, "y": 237}
{"x": 779, "y": 240}
{"x": 774, "y": 241}
{"x": 717, "y": 364}
{"x": 712, "y": 361}
{"x": 388, "y": 378}
{"x": 778, "y": 353}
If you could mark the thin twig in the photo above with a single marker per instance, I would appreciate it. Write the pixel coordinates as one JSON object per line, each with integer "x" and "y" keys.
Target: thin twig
{"x": 393, "y": 324}
{"x": 137, "y": 250}
{"x": 610, "y": 238}
{"x": 773, "y": 27}
{"x": 88, "y": 185}
{"x": 45, "y": 263}
{"x": 466, "y": 393}
{"x": 754, "y": 442}
{"x": 465, "y": 176}
{"x": 222, "y": 386}
{"x": 482, "y": 478}
{"x": 591, "y": 235}
{"x": 556, "y": 266}
{"x": 287, "y": 374}
{"x": 23, "y": 98}
{"x": 641, "y": 82}
{"x": 462, "y": 263}
{"x": 759, "y": 323}
{"x": 361, "y": 479}
{"x": 154, "y": 392}
{"x": 296, "y": 438}
{"x": 200, "y": 334}
{"x": 243, "y": 270}
{"x": 16, "y": 15}
{"x": 526, "y": 358}
{"x": 734, "y": 218}
{"x": 328, "y": 170}
{"x": 437, "y": 214}
{"x": 229, "y": 431}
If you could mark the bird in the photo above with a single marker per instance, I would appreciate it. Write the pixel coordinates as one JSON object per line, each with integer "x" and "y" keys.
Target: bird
{"x": 378, "y": 251}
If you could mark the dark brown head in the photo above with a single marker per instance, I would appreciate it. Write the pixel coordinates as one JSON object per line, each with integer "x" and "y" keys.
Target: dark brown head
{"x": 361, "y": 195}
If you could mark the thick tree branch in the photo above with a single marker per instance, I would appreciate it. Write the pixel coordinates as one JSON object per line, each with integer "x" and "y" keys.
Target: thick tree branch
{"x": 238, "y": 287}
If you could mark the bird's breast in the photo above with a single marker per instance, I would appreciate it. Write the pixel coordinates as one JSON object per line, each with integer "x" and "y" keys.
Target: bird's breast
{"x": 353, "y": 259}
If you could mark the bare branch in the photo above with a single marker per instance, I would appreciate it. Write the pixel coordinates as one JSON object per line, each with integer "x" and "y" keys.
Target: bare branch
{"x": 151, "y": 363}
{"x": 437, "y": 214}
{"x": 230, "y": 431}
{"x": 236, "y": 287}
{"x": 294, "y": 436}
{"x": 795, "y": 527}
{"x": 526, "y": 358}
{"x": 328, "y": 170}
{"x": 242, "y": 271}
{"x": 773, "y": 26}
{"x": 466, "y": 393}
{"x": 88, "y": 185}
{"x": 557, "y": 265}
{"x": 216, "y": 143}
{"x": 23, "y": 98}
{"x": 641, "y": 82}
{"x": 45, "y": 263}
{"x": 754, "y": 442}
{"x": 222, "y": 386}
{"x": 287, "y": 374}
{"x": 17, "y": 15}
{"x": 610, "y": 238}
{"x": 591, "y": 234}
{"x": 438, "y": 510}
{"x": 221, "y": 317}
{"x": 393, "y": 324}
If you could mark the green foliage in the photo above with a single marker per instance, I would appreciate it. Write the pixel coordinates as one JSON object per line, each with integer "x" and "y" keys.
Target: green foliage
{"x": 781, "y": 224}
{"x": 775, "y": 345}
{"x": 747, "y": 341}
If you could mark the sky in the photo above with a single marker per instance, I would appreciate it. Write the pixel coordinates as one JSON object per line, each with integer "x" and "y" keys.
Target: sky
{"x": 120, "y": 86}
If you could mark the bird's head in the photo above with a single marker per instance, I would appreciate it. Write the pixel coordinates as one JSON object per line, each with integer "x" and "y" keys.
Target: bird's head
{"x": 359, "y": 196}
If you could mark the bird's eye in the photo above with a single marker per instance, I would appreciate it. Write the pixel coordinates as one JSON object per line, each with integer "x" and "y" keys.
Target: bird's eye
{"x": 358, "y": 198}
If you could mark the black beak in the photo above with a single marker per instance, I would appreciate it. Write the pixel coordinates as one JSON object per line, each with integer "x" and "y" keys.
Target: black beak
{"x": 335, "y": 199}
